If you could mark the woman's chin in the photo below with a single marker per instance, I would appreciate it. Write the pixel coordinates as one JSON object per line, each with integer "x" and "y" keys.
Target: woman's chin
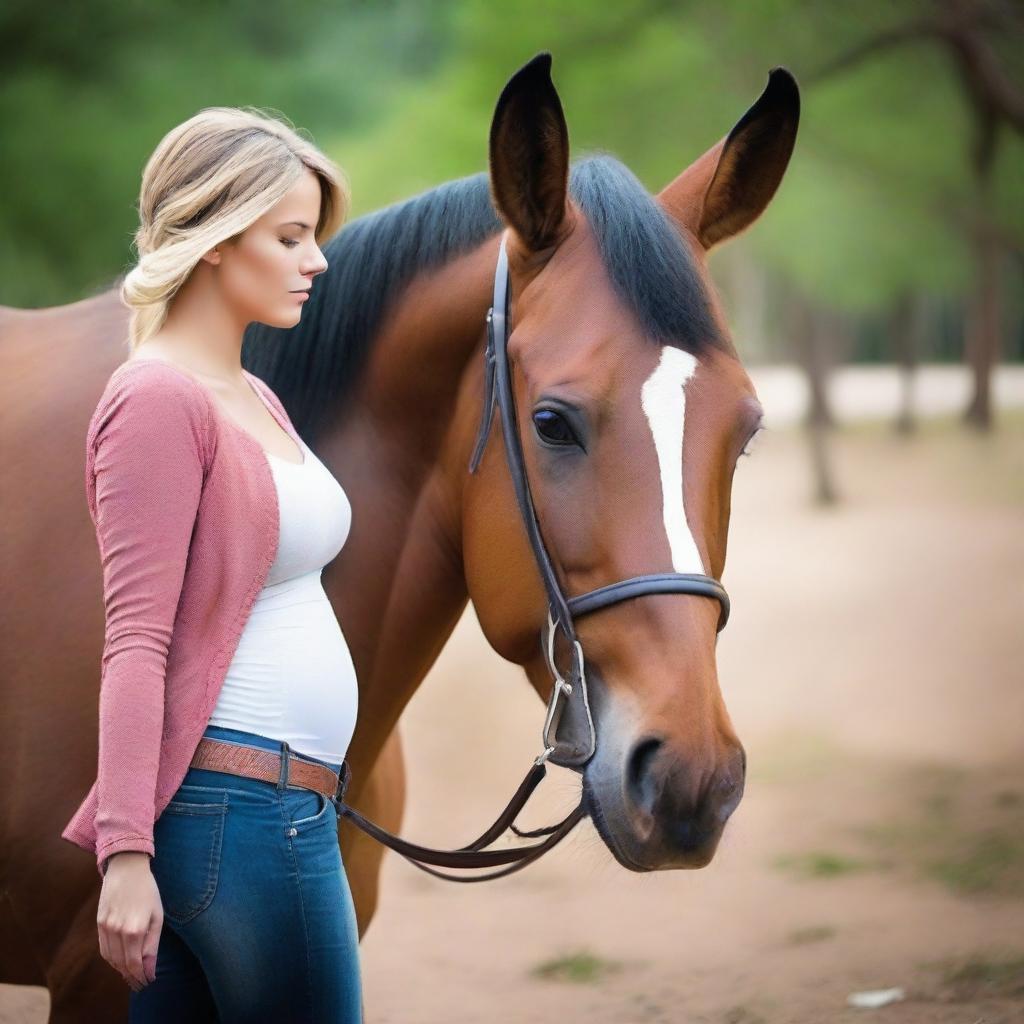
{"x": 285, "y": 318}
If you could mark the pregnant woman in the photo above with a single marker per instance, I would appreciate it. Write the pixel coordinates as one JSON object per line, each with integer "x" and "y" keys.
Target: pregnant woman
{"x": 228, "y": 696}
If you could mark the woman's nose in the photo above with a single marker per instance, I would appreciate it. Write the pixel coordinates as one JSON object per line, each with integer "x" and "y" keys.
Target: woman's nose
{"x": 317, "y": 265}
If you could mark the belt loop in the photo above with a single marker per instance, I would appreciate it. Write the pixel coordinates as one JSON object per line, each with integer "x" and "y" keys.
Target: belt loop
{"x": 282, "y": 780}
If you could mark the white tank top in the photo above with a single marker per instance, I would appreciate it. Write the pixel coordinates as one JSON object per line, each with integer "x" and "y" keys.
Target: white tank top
{"x": 292, "y": 676}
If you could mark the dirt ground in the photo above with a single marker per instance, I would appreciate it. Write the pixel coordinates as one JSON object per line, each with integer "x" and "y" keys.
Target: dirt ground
{"x": 873, "y": 670}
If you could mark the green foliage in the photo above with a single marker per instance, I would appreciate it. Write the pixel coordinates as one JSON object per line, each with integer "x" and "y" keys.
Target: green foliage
{"x": 86, "y": 97}
{"x": 875, "y": 200}
{"x": 878, "y": 191}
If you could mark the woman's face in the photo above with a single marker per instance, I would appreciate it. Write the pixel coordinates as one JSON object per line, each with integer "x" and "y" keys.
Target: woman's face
{"x": 267, "y": 271}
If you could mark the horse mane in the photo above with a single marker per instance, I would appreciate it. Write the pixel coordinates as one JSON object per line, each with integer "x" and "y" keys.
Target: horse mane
{"x": 313, "y": 366}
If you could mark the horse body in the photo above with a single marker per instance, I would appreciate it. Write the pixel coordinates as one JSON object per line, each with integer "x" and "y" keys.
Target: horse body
{"x": 55, "y": 364}
{"x": 405, "y": 527}
{"x": 426, "y": 536}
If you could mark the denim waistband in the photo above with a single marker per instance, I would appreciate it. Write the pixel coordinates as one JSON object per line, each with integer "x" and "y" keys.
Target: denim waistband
{"x": 255, "y": 739}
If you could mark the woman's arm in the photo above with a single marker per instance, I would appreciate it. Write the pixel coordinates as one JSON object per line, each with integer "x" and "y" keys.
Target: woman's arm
{"x": 148, "y": 442}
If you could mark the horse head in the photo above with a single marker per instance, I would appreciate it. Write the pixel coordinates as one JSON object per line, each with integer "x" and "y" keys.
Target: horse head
{"x": 632, "y": 408}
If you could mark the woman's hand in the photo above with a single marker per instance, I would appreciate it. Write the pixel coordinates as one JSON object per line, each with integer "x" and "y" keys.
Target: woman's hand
{"x": 130, "y": 917}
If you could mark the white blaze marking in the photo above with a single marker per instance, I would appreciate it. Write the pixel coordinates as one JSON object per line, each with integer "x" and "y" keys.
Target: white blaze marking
{"x": 664, "y": 403}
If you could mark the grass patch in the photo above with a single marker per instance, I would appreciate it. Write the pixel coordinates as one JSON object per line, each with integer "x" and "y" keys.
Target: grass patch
{"x": 807, "y": 936}
{"x": 938, "y": 806}
{"x": 983, "y": 975}
{"x": 742, "y": 1015}
{"x": 988, "y": 864}
{"x": 820, "y": 864}
{"x": 966, "y": 835}
{"x": 581, "y": 968}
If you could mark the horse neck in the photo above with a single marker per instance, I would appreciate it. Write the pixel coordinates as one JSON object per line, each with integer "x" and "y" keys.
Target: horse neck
{"x": 398, "y": 586}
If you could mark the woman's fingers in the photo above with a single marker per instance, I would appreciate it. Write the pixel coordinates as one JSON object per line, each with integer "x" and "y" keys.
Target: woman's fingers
{"x": 114, "y": 948}
{"x": 130, "y": 918}
{"x": 132, "y": 939}
{"x": 101, "y": 932}
{"x": 150, "y": 947}
{"x": 107, "y": 949}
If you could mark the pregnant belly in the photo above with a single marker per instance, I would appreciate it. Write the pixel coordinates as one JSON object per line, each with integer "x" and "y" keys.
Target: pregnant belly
{"x": 292, "y": 675}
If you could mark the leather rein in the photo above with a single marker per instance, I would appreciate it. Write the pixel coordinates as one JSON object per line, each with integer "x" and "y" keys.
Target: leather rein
{"x": 568, "y": 735}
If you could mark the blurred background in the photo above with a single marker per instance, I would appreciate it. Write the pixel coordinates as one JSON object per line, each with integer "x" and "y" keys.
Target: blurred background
{"x": 873, "y": 664}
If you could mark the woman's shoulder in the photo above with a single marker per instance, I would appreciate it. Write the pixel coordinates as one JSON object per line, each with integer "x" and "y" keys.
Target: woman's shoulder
{"x": 157, "y": 382}
{"x": 153, "y": 392}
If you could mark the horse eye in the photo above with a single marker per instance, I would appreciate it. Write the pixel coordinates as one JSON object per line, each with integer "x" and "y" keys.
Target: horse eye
{"x": 553, "y": 428}
{"x": 747, "y": 448}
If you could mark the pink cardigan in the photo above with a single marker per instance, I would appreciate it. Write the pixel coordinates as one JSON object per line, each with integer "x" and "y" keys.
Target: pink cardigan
{"x": 186, "y": 517}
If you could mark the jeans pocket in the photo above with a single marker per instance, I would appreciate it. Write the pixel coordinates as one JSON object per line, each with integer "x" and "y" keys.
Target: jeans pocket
{"x": 309, "y": 811}
{"x": 188, "y": 838}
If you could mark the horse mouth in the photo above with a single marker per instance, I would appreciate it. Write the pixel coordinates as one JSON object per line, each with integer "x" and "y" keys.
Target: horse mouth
{"x": 698, "y": 852}
{"x": 593, "y": 809}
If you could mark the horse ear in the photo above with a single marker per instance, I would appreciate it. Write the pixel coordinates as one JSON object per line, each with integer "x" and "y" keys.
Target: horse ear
{"x": 529, "y": 156}
{"x": 724, "y": 191}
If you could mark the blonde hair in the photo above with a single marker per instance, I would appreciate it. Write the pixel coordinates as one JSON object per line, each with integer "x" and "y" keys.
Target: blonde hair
{"x": 208, "y": 180}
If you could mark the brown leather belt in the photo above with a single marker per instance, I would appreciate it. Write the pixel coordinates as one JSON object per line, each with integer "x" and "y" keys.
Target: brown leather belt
{"x": 257, "y": 763}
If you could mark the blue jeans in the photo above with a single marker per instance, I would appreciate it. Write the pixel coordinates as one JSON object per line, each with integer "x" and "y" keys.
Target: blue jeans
{"x": 259, "y": 923}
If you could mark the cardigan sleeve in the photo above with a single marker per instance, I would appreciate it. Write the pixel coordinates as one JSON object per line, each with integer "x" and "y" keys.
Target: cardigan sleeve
{"x": 147, "y": 455}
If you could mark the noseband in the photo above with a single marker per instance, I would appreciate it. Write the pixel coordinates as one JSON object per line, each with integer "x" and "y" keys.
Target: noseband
{"x": 568, "y": 735}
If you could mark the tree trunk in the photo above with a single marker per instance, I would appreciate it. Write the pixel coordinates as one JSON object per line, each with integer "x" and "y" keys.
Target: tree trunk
{"x": 906, "y": 322}
{"x": 814, "y": 337}
{"x": 983, "y": 342}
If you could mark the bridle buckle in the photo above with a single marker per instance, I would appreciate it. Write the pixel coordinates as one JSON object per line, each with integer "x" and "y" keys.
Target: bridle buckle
{"x": 560, "y": 688}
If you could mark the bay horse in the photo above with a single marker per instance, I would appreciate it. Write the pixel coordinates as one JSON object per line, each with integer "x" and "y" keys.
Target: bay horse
{"x": 633, "y": 408}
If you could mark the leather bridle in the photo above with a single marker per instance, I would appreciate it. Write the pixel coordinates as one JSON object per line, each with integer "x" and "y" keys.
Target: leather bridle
{"x": 568, "y": 735}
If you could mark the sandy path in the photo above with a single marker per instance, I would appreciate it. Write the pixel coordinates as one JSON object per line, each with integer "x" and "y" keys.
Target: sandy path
{"x": 879, "y": 697}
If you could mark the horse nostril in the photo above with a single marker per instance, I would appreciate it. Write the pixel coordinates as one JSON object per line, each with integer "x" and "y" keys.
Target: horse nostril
{"x": 726, "y": 793}
{"x": 641, "y": 780}
{"x": 727, "y": 785}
